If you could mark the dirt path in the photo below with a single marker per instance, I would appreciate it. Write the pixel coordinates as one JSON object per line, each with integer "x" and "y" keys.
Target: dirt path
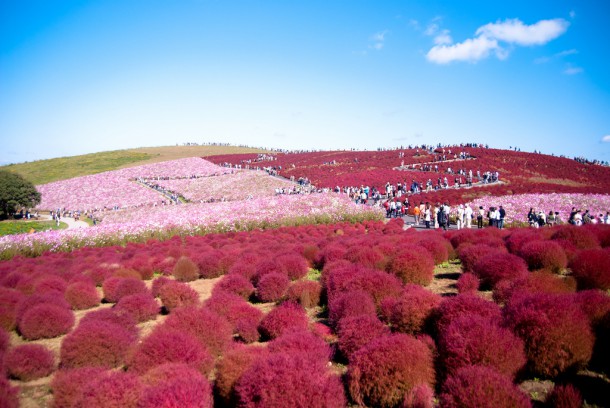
{"x": 72, "y": 223}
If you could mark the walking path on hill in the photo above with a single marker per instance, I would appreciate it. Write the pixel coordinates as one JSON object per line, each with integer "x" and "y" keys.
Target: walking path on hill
{"x": 72, "y": 223}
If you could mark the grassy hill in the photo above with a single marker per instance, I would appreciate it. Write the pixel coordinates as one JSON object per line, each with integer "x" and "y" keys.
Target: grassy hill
{"x": 46, "y": 171}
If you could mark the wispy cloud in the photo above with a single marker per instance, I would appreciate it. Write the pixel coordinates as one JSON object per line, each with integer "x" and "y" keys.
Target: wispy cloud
{"x": 489, "y": 37}
{"x": 566, "y": 53}
{"x": 378, "y": 40}
{"x": 443, "y": 38}
{"x": 606, "y": 139}
{"x": 572, "y": 70}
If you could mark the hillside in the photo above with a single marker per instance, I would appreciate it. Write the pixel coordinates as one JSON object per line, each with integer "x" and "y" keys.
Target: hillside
{"x": 63, "y": 168}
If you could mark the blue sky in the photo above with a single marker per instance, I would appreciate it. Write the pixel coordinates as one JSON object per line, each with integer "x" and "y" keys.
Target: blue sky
{"x": 85, "y": 76}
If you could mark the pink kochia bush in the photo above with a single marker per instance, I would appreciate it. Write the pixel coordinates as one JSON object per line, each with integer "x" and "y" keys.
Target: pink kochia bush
{"x": 45, "y": 321}
{"x": 82, "y": 295}
{"x": 547, "y": 255}
{"x": 564, "y": 396}
{"x": 496, "y": 267}
{"x": 284, "y": 380}
{"x": 468, "y": 283}
{"x": 175, "y": 294}
{"x": 185, "y": 270}
{"x": 96, "y": 343}
{"x": 236, "y": 284}
{"x": 591, "y": 268}
{"x": 350, "y": 304}
{"x": 175, "y": 385}
{"x": 556, "y": 333}
{"x": 67, "y": 384}
{"x": 412, "y": 265}
{"x": 302, "y": 342}
{"x": 272, "y": 287}
{"x": 29, "y": 362}
{"x": 9, "y": 395}
{"x": 413, "y": 310}
{"x": 112, "y": 389}
{"x": 165, "y": 345}
{"x": 142, "y": 307}
{"x": 387, "y": 368}
{"x": 230, "y": 369}
{"x": 355, "y": 332}
{"x": 474, "y": 340}
{"x": 285, "y": 318}
{"x": 479, "y": 386}
{"x": 305, "y": 292}
{"x": 243, "y": 316}
{"x": 452, "y": 308}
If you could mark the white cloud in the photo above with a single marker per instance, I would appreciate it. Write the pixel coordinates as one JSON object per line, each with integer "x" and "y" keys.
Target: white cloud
{"x": 573, "y": 70}
{"x": 566, "y": 53}
{"x": 431, "y": 29}
{"x": 606, "y": 139}
{"x": 514, "y": 31}
{"x": 443, "y": 38}
{"x": 378, "y": 40}
{"x": 471, "y": 50}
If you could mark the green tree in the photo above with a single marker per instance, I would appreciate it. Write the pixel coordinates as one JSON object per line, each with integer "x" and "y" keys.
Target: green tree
{"x": 16, "y": 192}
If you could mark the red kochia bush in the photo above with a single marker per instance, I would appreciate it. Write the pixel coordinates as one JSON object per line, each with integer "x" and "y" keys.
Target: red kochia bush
{"x": 564, "y": 396}
{"x": 387, "y": 368}
{"x": 82, "y": 295}
{"x": 29, "y": 362}
{"x": 380, "y": 285}
{"x": 67, "y": 385}
{"x": 177, "y": 294}
{"x": 294, "y": 265}
{"x": 9, "y": 301}
{"x": 142, "y": 307}
{"x": 365, "y": 256}
{"x": 28, "y": 302}
{"x": 355, "y": 332}
{"x": 211, "y": 330}
{"x": 535, "y": 282}
{"x": 412, "y": 265}
{"x": 243, "y": 316}
{"x": 165, "y": 345}
{"x": 158, "y": 283}
{"x": 438, "y": 248}
{"x": 474, "y": 340}
{"x": 468, "y": 283}
{"x": 469, "y": 255}
{"x": 190, "y": 391}
{"x": 591, "y": 268}
{"x": 9, "y": 395}
{"x": 185, "y": 270}
{"x": 5, "y": 342}
{"x": 124, "y": 320}
{"x": 350, "y": 304}
{"x": 452, "y": 308}
{"x": 129, "y": 286}
{"x": 421, "y": 396}
{"x": 46, "y": 321}
{"x": 410, "y": 313}
{"x": 282, "y": 380}
{"x": 272, "y": 287}
{"x": 496, "y": 267}
{"x": 96, "y": 344}
{"x": 113, "y": 389}
{"x": 595, "y": 304}
{"x": 284, "y": 318}
{"x": 547, "y": 255}
{"x": 478, "y": 386}
{"x": 582, "y": 238}
{"x": 305, "y": 292}
{"x": 302, "y": 342}
{"x": 230, "y": 369}
{"x": 556, "y": 332}
{"x": 236, "y": 284}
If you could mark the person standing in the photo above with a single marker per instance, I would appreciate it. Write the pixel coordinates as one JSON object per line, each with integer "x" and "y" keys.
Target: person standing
{"x": 468, "y": 215}
{"x": 501, "y": 216}
{"x": 427, "y": 215}
{"x": 480, "y": 215}
{"x": 460, "y": 217}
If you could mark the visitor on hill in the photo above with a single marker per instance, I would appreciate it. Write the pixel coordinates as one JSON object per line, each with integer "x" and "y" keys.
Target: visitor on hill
{"x": 491, "y": 216}
{"x": 531, "y": 217}
{"x": 427, "y": 215}
{"x": 572, "y": 215}
{"x": 541, "y": 219}
{"x": 501, "y": 216}
{"x": 416, "y": 214}
{"x": 578, "y": 217}
{"x": 460, "y": 217}
{"x": 480, "y": 217}
{"x": 443, "y": 217}
{"x": 435, "y": 211}
{"x": 550, "y": 219}
{"x": 468, "y": 215}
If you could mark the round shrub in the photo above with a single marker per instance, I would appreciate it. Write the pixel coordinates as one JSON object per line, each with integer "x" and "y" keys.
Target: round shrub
{"x": 244, "y": 317}
{"x": 124, "y": 320}
{"x": 452, "y": 308}
{"x": 29, "y": 362}
{"x": 595, "y": 304}
{"x": 236, "y": 284}
{"x": 535, "y": 282}
{"x": 82, "y": 295}
{"x": 113, "y": 389}
{"x": 5, "y": 342}
{"x": 211, "y": 330}
{"x": 165, "y": 345}
{"x": 438, "y": 249}
{"x": 421, "y": 396}
{"x": 272, "y": 287}
{"x": 142, "y": 307}
{"x": 109, "y": 286}
{"x": 555, "y": 331}
{"x": 9, "y": 395}
{"x": 302, "y": 342}
{"x": 365, "y": 256}
{"x": 50, "y": 283}
{"x": 305, "y": 292}
{"x": 350, "y": 304}
{"x": 474, "y": 340}
{"x": 286, "y": 317}
{"x": 158, "y": 283}
{"x": 177, "y": 294}
{"x": 412, "y": 311}
{"x": 380, "y": 285}
{"x": 547, "y": 255}
{"x": 478, "y": 386}
{"x": 468, "y": 283}
{"x": 96, "y": 344}
{"x": 230, "y": 369}
{"x": 190, "y": 391}
{"x": 266, "y": 266}
{"x": 469, "y": 255}
{"x": 294, "y": 265}
{"x": 67, "y": 385}
{"x": 167, "y": 372}
{"x": 129, "y": 286}
{"x": 496, "y": 267}
{"x": 355, "y": 332}
{"x": 247, "y": 270}
{"x": 564, "y": 396}
{"x": 185, "y": 270}
{"x": 387, "y": 368}
{"x": 46, "y": 321}
{"x": 49, "y": 298}
{"x": 582, "y": 238}
{"x": 412, "y": 265}
{"x": 9, "y": 301}
{"x": 591, "y": 268}
{"x": 520, "y": 237}
{"x": 281, "y": 380}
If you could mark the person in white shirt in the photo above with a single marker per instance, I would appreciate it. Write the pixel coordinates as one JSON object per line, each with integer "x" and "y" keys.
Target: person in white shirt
{"x": 468, "y": 215}
{"x": 460, "y": 216}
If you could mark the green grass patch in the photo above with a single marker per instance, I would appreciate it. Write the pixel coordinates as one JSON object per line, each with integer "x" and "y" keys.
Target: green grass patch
{"x": 20, "y": 227}
{"x": 314, "y": 275}
{"x": 47, "y": 171}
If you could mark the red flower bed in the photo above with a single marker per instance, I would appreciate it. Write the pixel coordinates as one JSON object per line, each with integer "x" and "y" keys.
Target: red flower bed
{"x": 582, "y": 238}
{"x": 387, "y": 368}
{"x": 556, "y": 332}
{"x": 479, "y": 386}
{"x": 283, "y": 380}
{"x": 591, "y": 268}
{"x": 29, "y": 362}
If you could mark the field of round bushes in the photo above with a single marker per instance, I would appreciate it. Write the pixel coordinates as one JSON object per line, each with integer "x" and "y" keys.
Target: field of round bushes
{"x": 312, "y": 316}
